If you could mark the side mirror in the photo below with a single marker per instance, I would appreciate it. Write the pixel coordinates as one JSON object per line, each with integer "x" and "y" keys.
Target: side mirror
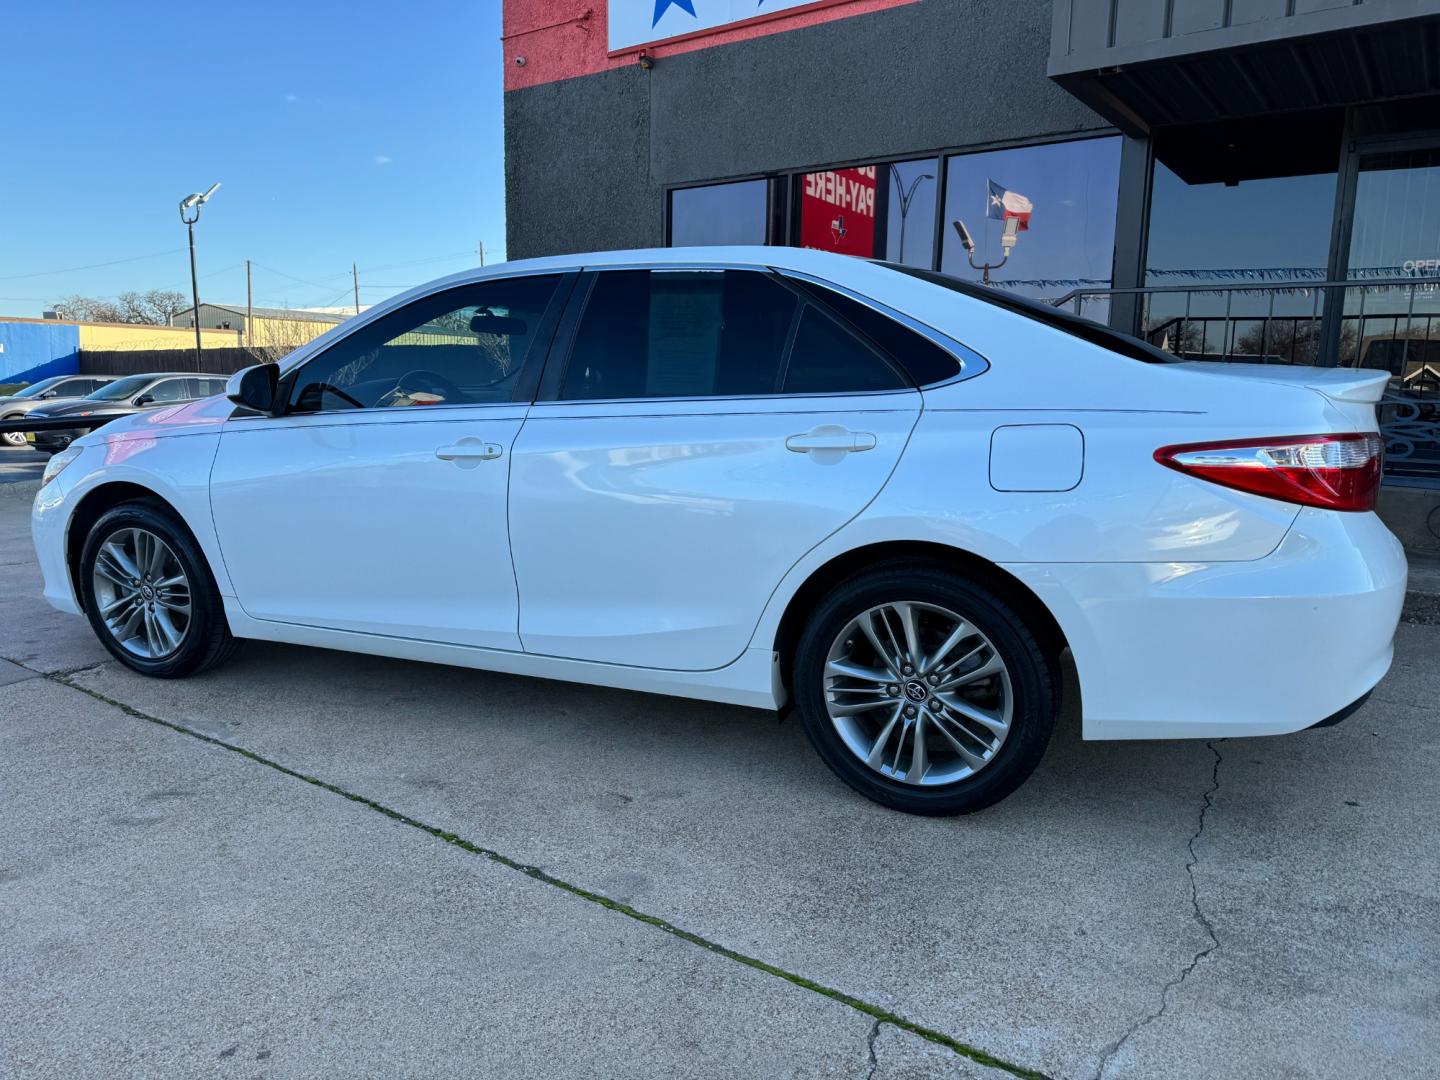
{"x": 145, "y": 399}
{"x": 48, "y": 394}
{"x": 254, "y": 387}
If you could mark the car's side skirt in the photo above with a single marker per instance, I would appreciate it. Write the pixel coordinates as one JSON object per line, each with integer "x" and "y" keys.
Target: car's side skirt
{"x": 753, "y": 680}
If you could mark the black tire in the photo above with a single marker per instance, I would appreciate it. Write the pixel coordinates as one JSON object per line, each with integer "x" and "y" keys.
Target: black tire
{"x": 1033, "y": 681}
{"x": 206, "y": 642}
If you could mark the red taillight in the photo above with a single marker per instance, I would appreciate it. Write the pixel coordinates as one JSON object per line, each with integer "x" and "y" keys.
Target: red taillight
{"x": 1336, "y": 472}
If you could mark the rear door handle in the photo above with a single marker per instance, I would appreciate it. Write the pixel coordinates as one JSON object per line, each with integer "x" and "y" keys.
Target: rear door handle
{"x": 469, "y": 452}
{"x": 831, "y": 437}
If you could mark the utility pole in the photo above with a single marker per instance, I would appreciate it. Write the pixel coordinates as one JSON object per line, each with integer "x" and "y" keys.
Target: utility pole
{"x": 482, "y": 252}
{"x": 354, "y": 273}
{"x": 249, "y": 309}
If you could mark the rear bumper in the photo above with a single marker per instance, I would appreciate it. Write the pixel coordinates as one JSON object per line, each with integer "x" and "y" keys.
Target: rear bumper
{"x": 1266, "y": 647}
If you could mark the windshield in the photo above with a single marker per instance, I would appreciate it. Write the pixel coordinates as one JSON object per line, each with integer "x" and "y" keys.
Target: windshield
{"x": 1074, "y": 325}
{"x": 40, "y": 387}
{"x": 121, "y": 389}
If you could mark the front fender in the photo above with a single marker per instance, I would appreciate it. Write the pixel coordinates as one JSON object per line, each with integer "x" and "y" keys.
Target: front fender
{"x": 175, "y": 468}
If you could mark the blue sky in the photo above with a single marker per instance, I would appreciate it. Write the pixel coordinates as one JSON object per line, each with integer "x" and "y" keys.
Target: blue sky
{"x": 340, "y": 133}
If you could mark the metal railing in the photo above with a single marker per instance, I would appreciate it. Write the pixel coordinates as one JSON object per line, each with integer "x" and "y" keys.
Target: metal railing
{"x": 1391, "y": 324}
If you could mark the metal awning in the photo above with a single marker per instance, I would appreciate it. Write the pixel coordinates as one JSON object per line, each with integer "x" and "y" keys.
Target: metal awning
{"x": 1150, "y": 73}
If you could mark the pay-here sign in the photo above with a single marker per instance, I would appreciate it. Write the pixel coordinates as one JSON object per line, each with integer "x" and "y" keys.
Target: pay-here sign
{"x": 640, "y": 22}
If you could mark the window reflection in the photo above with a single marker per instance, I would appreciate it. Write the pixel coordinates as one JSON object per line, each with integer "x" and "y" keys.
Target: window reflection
{"x": 1264, "y": 230}
{"x": 871, "y": 211}
{"x": 733, "y": 213}
{"x": 910, "y": 220}
{"x": 1041, "y": 217}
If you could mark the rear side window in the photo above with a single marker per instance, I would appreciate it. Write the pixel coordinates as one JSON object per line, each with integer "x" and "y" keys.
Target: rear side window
{"x": 925, "y": 362}
{"x": 680, "y": 333}
{"x": 829, "y": 359}
{"x": 714, "y": 333}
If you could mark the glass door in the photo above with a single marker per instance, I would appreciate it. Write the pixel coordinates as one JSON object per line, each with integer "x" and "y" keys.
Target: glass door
{"x": 1390, "y": 318}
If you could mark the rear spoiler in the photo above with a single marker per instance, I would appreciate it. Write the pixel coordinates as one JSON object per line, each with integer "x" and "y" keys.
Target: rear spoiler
{"x": 1360, "y": 386}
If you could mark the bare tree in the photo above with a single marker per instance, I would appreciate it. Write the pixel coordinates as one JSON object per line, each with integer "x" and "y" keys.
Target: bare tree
{"x": 154, "y": 307}
{"x": 87, "y": 309}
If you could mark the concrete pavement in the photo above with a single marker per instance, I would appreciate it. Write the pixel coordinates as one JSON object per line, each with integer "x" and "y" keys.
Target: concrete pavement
{"x": 19, "y": 464}
{"x": 646, "y": 886}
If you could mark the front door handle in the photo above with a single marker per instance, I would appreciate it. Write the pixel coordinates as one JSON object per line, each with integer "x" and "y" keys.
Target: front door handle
{"x": 830, "y": 437}
{"x": 469, "y": 452}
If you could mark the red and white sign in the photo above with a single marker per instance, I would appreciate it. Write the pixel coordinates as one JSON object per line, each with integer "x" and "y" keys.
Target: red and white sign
{"x": 837, "y": 211}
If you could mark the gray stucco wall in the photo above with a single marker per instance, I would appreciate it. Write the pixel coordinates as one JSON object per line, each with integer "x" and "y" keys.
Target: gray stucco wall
{"x": 587, "y": 159}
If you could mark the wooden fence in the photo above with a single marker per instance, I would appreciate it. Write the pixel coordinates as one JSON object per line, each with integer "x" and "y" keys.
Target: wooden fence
{"x": 144, "y": 361}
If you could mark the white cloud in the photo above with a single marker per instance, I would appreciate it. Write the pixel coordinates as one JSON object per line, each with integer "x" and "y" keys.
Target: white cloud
{"x": 291, "y": 97}
{"x": 383, "y": 159}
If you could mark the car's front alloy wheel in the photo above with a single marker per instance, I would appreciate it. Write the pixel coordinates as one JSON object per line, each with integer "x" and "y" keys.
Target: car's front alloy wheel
{"x": 149, "y": 594}
{"x": 142, "y": 592}
{"x": 924, "y": 691}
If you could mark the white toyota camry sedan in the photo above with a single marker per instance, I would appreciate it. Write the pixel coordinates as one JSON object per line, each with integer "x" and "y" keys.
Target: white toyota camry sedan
{"x": 764, "y": 476}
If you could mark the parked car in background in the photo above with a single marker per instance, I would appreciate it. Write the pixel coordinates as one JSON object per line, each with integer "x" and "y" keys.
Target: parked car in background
{"x": 49, "y": 391}
{"x": 760, "y": 476}
{"x": 131, "y": 394}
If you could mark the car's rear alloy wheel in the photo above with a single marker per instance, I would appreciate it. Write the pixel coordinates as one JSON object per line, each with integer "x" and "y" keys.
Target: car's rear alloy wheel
{"x": 12, "y": 438}
{"x": 924, "y": 691}
{"x": 149, "y": 594}
{"x": 917, "y": 693}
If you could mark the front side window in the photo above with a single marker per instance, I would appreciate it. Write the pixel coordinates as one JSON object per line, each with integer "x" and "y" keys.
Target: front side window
{"x": 170, "y": 390}
{"x": 38, "y": 388}
{"x": 465, "y": 346}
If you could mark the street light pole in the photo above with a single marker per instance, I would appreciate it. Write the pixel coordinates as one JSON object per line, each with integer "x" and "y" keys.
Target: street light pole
{"x": 190, "y": 214}
{"x": 906, "y": 195}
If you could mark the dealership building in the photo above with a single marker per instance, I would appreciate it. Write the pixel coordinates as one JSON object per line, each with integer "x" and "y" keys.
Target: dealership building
{"x": 1250, "y": 180}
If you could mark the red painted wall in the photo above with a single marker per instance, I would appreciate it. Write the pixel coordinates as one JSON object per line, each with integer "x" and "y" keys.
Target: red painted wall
{"x": 562, "y": 39}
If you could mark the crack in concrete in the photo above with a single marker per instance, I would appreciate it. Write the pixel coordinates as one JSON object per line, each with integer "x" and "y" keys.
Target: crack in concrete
{"x": 1197, "y": 912}
{"x": 870, "y": 1046}
{"x": 877, "y": 1013}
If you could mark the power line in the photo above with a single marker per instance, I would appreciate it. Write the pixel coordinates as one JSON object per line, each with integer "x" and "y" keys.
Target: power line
{"x": 90, "y": 266}
{"x": 292, "y": 277}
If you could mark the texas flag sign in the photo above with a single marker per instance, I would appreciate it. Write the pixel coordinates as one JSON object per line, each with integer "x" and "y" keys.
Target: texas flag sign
{"x": 1003, "y": 205}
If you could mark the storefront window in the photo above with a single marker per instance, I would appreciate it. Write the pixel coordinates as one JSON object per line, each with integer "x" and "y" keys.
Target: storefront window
{"x": 910, "y": 217}
{"x": 873, "y": 211}
{"x": 1042, "y": 218}
{"x": 1266, "y": 231}
{"x": 736, "y": 213}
